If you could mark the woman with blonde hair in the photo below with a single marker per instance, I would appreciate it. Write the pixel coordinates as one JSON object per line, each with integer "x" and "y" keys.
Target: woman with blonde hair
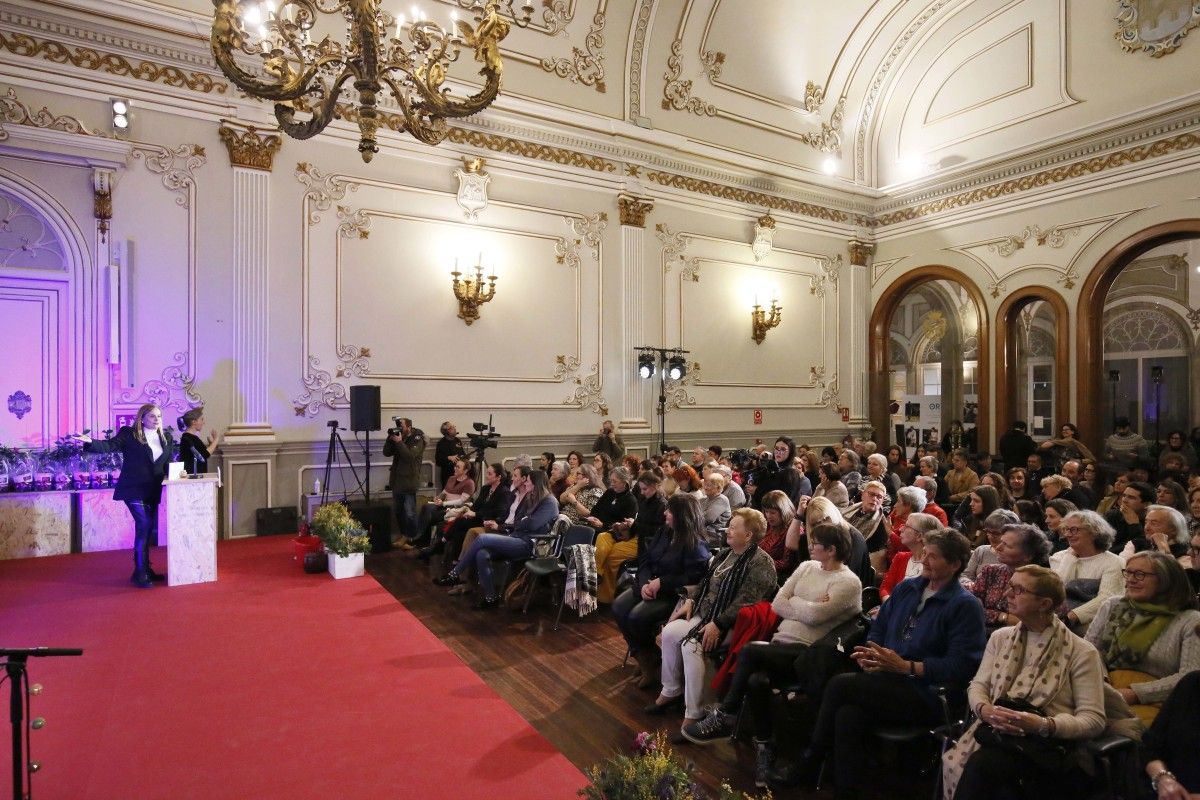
{"x": 146, "y": 450}
{"x": 1036, "y": 680}
{"x": 780, "y": 542}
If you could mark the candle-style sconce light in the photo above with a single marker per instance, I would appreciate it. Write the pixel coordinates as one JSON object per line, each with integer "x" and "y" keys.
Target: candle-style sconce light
{"x": 762, "y": 320}
{"x": 470, "y": 292}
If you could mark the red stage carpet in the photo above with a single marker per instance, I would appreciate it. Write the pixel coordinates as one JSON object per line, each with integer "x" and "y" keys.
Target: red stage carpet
{"x": 267, "y": 684}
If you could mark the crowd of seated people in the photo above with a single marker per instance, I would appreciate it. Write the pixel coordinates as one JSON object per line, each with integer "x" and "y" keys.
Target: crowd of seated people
{"x": 1076, "y": 572}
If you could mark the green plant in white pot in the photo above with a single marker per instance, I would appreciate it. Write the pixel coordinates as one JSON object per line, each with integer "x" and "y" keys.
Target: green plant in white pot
{"x": 344, "y": 540}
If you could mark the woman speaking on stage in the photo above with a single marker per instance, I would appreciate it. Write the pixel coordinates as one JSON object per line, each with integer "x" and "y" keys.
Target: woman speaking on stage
{"x": 194, "y": 451}
{"x": 146, "y": 449}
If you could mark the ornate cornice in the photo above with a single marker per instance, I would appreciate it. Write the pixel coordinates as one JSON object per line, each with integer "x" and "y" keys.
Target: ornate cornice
{"x": 249, "y": 148}
{"x": 677, "y": 93}
{"x": 14, "y": 111}
{"x": 585, "y": 66}
{"x": 754, "y": 198}
{"x": 634, "y": 209}
{"x": 637, "y": 57}
{"x": 21, "y": 44}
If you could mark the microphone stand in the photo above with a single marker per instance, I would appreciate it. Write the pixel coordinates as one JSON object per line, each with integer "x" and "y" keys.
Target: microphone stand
{"x": 18, "y": 679}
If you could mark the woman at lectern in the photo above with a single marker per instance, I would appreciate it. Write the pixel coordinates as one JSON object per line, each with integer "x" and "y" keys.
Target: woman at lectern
{"x": 192, "y": 449}
{"x": 147, "y": 450}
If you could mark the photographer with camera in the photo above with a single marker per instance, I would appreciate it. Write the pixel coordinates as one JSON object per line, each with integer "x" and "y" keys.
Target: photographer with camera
{"x": 405, "y": 445}
{"x": 449, "y": 450}
{"x": 780, "y": 473}
{"x": 609, "y": 442}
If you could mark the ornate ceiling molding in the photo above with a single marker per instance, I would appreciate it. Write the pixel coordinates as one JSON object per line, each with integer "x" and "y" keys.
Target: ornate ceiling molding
{"x": 587, "y": 230}
{"x": 14, "y": 111}
{"x": 21, "y": 44}
{"x": 755, "y": 198}
{"x": 353, "y": 223}
{"x": 637, "y": 56}
{"x": 587, "y": 394}
{"x": 677, "y": 92}
{"x": 585, "y": 66}
{"x": 1055, "y": 237}
{"x": 321, "y": 189}
{"x": 1129, "y": 27}
{"x": 176, "y": 167}
{"x": 174, "y": 388}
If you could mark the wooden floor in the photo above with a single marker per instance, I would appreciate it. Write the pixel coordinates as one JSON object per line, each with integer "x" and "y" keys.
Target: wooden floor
{"x": 569, "y": 684}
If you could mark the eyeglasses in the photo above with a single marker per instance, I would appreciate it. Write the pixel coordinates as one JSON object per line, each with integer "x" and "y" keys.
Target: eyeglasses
{"x": 1136, "y": 575}
{"x": 1072, "y": 529}
{"x": 1016, "y": 590}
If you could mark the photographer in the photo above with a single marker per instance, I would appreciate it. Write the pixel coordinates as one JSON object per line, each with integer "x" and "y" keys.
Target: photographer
{"x": 609, "y": 442}
{"x": 449, "y": 450}
{"x": 405, "y": 445}
{"x": 780, "y": 473}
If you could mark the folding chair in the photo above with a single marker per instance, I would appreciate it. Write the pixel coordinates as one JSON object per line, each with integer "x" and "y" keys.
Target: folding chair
{"x": 555, "y": 564}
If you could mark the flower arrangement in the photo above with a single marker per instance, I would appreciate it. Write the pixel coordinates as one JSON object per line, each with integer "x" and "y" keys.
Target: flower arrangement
{"x": 59, "y": 467}
{"x": 652, "y": 772}
{"x": 338, "y": 531}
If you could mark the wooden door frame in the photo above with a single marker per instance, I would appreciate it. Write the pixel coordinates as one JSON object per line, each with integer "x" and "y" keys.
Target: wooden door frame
{"x": 1006, "y": 355}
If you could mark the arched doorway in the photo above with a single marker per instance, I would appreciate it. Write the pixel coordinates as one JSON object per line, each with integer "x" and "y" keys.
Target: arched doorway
{"x": 881, "y": 344}
{"x": 1026, "y": 355}
{"x": 1090, "y": 371}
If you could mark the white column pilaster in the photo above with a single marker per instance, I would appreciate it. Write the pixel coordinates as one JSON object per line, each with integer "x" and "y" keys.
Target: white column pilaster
{"x": 635, "y": 392}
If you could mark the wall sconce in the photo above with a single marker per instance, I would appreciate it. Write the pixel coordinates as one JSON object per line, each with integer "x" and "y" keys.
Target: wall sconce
{"x": 762, "y": 321}
{"x": 470, "y": 292}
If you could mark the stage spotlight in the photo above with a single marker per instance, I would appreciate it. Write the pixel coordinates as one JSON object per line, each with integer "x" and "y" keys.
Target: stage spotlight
{"x": 676, "y": 367}
{"x": 645, "y": 365}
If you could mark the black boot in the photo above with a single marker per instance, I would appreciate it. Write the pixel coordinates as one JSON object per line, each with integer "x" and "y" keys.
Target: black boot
{"x": 141, "y": 563}
{"x": 156, "y": 577}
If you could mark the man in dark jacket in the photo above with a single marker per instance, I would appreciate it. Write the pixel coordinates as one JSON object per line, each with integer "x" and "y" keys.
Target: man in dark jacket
{"x": 449, "y": 449}
{"x": 609, "y": 442}
{"x": 406, "y": 447}
{"x": 1016, "y": 445}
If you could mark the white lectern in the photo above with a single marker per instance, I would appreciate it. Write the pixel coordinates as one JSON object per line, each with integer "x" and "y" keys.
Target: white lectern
{"x": 188, "y": 516}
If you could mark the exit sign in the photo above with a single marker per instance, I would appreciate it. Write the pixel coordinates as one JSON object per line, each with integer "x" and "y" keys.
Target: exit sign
{"x": 758, "y": 416}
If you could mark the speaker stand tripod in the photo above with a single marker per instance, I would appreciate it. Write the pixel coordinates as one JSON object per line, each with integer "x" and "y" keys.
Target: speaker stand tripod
{"x": 331, "y": 458}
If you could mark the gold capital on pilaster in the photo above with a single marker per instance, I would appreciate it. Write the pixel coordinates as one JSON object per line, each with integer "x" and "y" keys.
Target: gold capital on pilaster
{"x": 250, "y": 148}
{"x": 102, "y": 209}
{"x": 860, "y": 252}
{"x": 634, "y": 209}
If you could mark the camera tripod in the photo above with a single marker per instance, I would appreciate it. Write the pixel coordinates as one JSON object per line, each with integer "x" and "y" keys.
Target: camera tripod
{"x": 331, "y": 459}
{"x": 18, "y": 679}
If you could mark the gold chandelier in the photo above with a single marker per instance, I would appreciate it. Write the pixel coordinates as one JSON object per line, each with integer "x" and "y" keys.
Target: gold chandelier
{"x": 301, "y": 74}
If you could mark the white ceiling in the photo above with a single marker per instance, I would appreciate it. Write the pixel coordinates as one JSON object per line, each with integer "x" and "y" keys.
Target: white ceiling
{"x": 930, "y": 89}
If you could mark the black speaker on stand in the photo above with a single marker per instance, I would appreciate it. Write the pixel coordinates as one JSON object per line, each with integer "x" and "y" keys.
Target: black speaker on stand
{"x": 365, "y": 416}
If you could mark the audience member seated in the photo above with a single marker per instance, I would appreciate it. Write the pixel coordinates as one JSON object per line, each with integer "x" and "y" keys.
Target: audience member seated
{"x": 1178, "y": 445}
{"x": 899, "y": 465}
{"x": 1128, "y": 517}
{"x": 1166, "y": 531}
{"x": 784, "y": 531}
{"x": 673, "y": 558}
{"x": 960, "y": 479}
{"x": 819, "y": 596}
{"x": 1059, "y": 487}
{"x": 810, "y": 465}
{"x": 574, "y": 462}
{"x": 1080, "y": 493}
{"x": 714, "y": 507}
{"x": 603, "y": 464}
{"x": 1170, "y": 493}
{"x": 907, "y": 563}
{"x": 997, "y": 481}
{"x": 1019, "y": 545}
{"x": 1036, "y": 680}
{"x": 623, "y": 540}
{"x": 831, "y": 485}
{"x": 1019, "y": 485}
{"x": 687, "y": 480}
{"x": 616, "y": 504}
{"x": 1090, "y": 573}
{"x": 558, "y": 477}
{"x": 1169, "y": 748}
{"x": 1055, "y": 512}
{"x": 929, "y": 633}
{"x": 909, "y": 500}
{"x": 532, "y": 517}
{"x": 1066, "y": 447}
{"x": 1030, "y": 513}
{"x": 877, "y": 470}
{"x": 741, "y": 577}
{"x": 1125, "y": 446}
{"x": 981, "y": 501}
{"x": 930, "y": 486}
{"x": 1193, "y": 521}
{"x": 490, "y": 508}
{"x": 849, "y": 463}
{"x": 459, "y": 488}
{"x": 1147, "y": 637}
{"x": 1112, "y": 495}
{"x": 993, "y": 526}
{"x": 577, "y": 502}
{"x": 869, "y": 519}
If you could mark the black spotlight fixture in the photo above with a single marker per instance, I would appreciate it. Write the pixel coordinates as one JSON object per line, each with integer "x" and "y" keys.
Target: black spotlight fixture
{"x": 676, "y": 367}
{"x": 645, "y": 367}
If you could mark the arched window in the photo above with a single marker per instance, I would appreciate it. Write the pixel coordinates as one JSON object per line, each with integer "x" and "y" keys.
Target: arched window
{"x": 26, "y": 241}
{"x": 1146, "y": 351}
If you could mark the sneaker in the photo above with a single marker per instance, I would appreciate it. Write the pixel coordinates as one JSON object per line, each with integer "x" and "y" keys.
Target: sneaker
{"x": 764, "y": 758}
{"x": 717, "y": 725}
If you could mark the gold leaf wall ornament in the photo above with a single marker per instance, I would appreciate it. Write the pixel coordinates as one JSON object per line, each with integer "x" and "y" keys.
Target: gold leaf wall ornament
{"x": 750, "y": 197}
{"x": 1131, "y": 24}
{"x": 829, "y": 270}
{"x": 353, "y": 361}
{"x": 1055, "y": 237}
{"x": 637, "y": 56}
{"x": 677, "y": 391}
{"x": 353, "y": 223}
{"x": 814, "y": 96}
{"x": 677, "y": 93}
{"x": 829, "y": 138}
{"x": 249, "y": 148}
{"x": 556, "y": 15}
{"x": 1068, "y": 278}
{"x": 587, "y": 390}
{"x": 585, "y": 66}
{"x": 1193, "y": 316}
{"x": 14, "y": 111}
{"x": 674, "y": 249}
{"x": 633, "y": 210}
{"x": 534, "y": 150}
{"x": 829, "y": 388}
{"x": 713, "y": 62}
{"x": 110, "y": 63}
{"x": 764, "y": 237}
{"x": 322, "y": 189}
{"x": 860, "y": 252}
{"x": 321, "y": 391}
{"x": 935, "y": 325}
{"x": 176, "y": 166}
{"x": 174, "y": 388}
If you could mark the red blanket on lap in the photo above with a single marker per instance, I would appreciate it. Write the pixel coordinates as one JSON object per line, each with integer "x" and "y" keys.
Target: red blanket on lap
{"x": 756, "y": 623}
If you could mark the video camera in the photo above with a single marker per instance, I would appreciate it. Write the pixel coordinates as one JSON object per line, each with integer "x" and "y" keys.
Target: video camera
{"x": 485, "y": 435}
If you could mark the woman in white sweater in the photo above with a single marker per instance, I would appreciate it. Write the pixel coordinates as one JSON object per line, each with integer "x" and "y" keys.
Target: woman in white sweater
{"x": 1089, "y": 572}
{"x": 820, "y": 595}
{"x": 1036, "y": 679}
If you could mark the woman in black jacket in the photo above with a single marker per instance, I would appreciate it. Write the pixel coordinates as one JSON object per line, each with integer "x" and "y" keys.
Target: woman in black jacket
{"x": 676, "y": 556}
{"x": 491, "y": 504}
{"x": 780, "y": 473}
{"x": 617, "y": 502}
{"x": 192, "y": 449}
{"x": 146, "y": 450}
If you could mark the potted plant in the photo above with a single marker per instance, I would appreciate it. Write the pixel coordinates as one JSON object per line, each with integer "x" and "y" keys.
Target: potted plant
{"x": 344, "y": 539}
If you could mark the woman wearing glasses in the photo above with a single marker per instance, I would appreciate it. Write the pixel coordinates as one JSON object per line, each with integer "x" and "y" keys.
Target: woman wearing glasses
{"x": 1089, "y": 572}
{"x": 1036, "y": 680}
{"x": 1147, "y": 636}
{"x": 1019, "y": 545}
